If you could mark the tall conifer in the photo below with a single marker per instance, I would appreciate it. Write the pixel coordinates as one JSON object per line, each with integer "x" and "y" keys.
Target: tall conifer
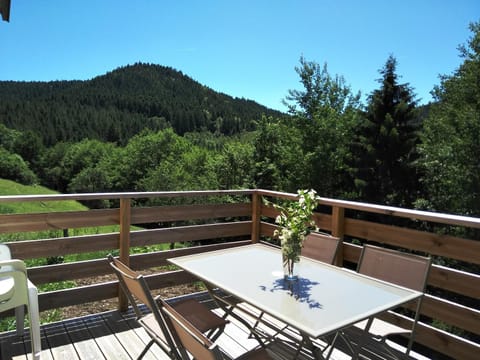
{"x": 385, "y": 146}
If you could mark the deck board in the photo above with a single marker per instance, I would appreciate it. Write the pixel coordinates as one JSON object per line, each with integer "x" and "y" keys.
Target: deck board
{"x": 116, "y": 335}
{"x": 82, "y": 340}
{"x": 58, "y": 341}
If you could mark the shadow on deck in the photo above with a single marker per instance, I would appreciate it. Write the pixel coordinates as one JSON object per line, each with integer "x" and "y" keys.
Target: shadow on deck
{"x": 116, "y": 335}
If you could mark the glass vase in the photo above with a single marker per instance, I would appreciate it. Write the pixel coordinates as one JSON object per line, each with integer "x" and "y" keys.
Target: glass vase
{"x": 290, "y": 268}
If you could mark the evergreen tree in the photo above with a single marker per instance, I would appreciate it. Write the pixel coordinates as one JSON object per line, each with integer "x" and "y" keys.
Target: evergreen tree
{"x": 385, "y": 146}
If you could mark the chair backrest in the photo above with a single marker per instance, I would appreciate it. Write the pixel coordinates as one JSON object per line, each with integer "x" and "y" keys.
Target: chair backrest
{"x": 13, "y": 284}
{"x": 133, "y": 285}
{"x": 322, "y": 247}
{"x": 407, "y": 270}
{"x": 192, "y": 340}
{"x": 136, "y": 288}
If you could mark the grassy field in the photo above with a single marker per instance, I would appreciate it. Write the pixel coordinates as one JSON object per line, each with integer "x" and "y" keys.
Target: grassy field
{"x": 8, "y": 187}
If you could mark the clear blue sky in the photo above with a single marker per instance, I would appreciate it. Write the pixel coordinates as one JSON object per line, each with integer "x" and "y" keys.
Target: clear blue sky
{"x": 244, "y": 48}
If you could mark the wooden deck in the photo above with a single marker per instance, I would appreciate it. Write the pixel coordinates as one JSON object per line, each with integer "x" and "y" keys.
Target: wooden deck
{"x": 109, "y": 335}
{"x": 116, "y": 335}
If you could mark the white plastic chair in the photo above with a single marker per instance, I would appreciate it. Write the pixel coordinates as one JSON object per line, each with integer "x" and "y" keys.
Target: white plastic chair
{"x": 15, "y": 292}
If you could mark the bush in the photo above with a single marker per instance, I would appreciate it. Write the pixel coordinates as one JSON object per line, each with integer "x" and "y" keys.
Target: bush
{"x": 13, "y": 167}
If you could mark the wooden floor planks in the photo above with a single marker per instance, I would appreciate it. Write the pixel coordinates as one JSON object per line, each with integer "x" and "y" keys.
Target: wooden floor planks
{"x": 115, "y": 335}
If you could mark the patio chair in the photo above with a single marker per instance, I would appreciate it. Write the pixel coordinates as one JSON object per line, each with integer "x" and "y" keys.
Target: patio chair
{"x": 198, "y": 345}
{"x": 407, "y": 270}
{"x": 321, "y": 247}
{"x": 136, "y": 289}
{"x": 16, "y": 291}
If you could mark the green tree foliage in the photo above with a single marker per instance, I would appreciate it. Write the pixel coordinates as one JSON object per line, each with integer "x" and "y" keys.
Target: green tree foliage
{"x": 191, "y": 170}
{"x": 82, "y": 155}
{"x": 278, "y": 156}
{"x": 164, "y": 161}
{"x": 13, "y": 167}
{"x": 385, "y": 146}
{"x": 235, "y": 163}
{"x": 51, "y": 167}
{"x": 451, "y": 138}
{"x": 325, "y": 112}
{"x": 29, "y": 146}
{"x": 144, "y": 153}
{"x": 17, "y": 151}
{"x": 8, "y": 137}
{"x": 322, "y": 92}
{"x": 62, "y": 164}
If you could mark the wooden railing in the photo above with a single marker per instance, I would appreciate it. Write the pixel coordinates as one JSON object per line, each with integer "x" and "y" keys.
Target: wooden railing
{"x": 234, "y": 218}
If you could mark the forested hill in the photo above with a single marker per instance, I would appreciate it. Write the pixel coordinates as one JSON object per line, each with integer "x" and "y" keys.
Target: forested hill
{"x": 117, "y": 105}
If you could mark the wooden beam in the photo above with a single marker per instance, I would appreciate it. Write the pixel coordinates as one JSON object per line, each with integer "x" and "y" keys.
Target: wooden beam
{"x": 124, "y": 245}
{"x": 430, "y": 243}
{"x": 338, "y": 230}
{"x": 256, "y": 211}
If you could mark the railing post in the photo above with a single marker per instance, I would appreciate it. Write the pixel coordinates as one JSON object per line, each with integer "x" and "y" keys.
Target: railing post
{"x": 256, "y": 207}
{"x": 124, "y": 245}
{"x": 338, "y": 230}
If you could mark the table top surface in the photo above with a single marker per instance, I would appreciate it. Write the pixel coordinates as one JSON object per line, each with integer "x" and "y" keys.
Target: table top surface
{"x": 324, "y": 299}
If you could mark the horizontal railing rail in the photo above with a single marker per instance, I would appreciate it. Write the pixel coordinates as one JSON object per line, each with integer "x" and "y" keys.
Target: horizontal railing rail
{"x": 218, "y": 219}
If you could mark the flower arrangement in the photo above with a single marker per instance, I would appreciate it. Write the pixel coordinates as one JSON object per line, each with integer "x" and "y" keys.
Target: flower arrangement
{"x": 296, "y": 221}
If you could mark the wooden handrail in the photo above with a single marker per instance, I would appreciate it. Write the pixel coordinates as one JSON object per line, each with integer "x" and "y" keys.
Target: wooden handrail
{"x": 441, "y": 218}
{"x": 121, "y": 195}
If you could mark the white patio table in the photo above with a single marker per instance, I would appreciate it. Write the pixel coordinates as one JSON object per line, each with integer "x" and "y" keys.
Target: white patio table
{"x": 324, "y": 300}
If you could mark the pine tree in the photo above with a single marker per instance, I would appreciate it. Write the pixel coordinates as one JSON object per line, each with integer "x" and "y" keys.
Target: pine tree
{"x": 385, "y": 147}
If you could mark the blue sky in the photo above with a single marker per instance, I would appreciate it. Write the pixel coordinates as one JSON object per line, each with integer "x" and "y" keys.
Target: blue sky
{"x": 244, "y": 48}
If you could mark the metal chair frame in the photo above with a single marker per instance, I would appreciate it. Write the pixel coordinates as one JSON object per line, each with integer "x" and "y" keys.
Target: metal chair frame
{"x": 136, "y": 288}
{"x": 403, "y": 269}
{"x": 198, "y": 345}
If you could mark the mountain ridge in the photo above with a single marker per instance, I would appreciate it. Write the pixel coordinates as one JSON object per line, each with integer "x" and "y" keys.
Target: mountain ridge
{"x": 121, "y": 103}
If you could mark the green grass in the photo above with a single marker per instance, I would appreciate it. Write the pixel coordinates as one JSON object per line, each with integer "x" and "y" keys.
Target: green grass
{"x": 8, "y": 187}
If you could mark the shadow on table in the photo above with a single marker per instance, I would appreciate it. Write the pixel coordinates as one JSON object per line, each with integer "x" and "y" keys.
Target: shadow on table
{"x": 299, "y": 288}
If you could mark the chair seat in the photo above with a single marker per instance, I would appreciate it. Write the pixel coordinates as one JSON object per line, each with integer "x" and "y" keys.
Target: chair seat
{"x": 7, "y": 288}
{"x": 198, "y": 315}
{"x": 16, "y": 291}
{"x": 381, "y": 328}
{"x": 365, "y": 345}
{"x": 259, "y": 354}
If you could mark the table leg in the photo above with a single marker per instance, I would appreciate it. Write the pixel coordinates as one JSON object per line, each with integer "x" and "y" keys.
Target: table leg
{"x": 228, "y": 309}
